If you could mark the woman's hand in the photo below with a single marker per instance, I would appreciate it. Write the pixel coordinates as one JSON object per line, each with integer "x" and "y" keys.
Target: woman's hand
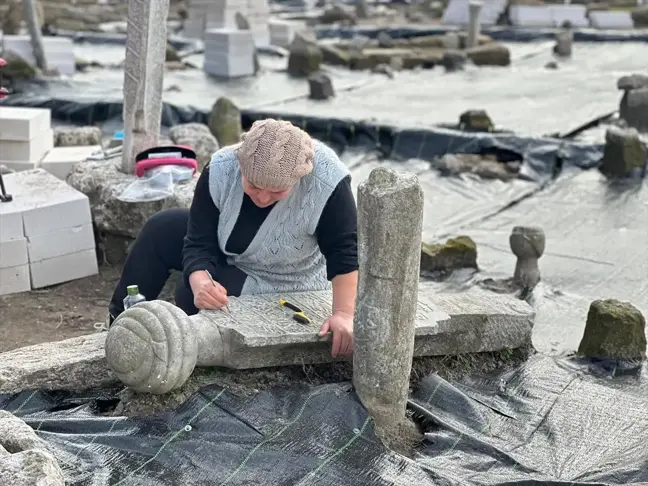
{"x": 340, "y": 324}
{"x": 208, "y": 295}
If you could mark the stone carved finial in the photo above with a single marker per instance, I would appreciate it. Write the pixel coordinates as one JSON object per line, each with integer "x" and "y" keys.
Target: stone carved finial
{"x": 152, "y": 347}
{"x": 528, "y": 245}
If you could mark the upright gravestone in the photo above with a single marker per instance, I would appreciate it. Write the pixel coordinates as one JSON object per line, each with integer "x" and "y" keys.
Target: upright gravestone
{"x": 143, "y": 77}
{"x": 390, "y": 219}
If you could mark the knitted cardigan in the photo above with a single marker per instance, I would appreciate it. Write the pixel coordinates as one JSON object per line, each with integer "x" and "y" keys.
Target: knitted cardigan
{"x": 284, "y": 255}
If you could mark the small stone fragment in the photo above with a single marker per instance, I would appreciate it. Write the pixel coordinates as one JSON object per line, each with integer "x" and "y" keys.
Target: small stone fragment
{"x": 385, "y": 40}
{"x": 197, "y": 136}
{"x": 321, "y": 86}
{"x": 633, "y": 81}
{"x": 623, "y": 153}
{"x": 172, "y": 54}
{"x": 338, "y": 13}
{"x": 476, "y": 120}
{"x": 453, "y": 60}
{"x": 225, "y": 122}
{"x": 492, "y": 54}
{"x": 24, "y": 459}
{"x": 304, "y": 60}
{"x": 456, "y": 253}
{"x": 77, "y": 136}
{"x": 361, "y": 9}
{"x": 17, "y": 69}
{"x": 614, "y": 330}
{"x": 551, "y": 65}
{"x": 385, "y": 69}
{"x": 640, "y": 16}
{"x": 564, "y": 41}
{"x": 634, "y": 108}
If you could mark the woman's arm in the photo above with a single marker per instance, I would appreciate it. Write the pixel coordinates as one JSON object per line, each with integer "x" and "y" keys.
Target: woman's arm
{"x": 201, "y": 248}
{"x": 337, "y": 236}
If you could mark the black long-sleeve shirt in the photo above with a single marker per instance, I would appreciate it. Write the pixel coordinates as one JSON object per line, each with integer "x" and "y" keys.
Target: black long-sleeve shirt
{"x": 336, "y": 235}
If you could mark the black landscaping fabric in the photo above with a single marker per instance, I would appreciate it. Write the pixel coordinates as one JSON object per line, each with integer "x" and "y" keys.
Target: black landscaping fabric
{"x": 541, "y": 156}
{"x": 550, "y": 421}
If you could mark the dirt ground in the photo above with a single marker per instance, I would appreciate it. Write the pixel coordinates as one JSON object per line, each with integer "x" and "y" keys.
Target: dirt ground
{"x": 59, "y": 312}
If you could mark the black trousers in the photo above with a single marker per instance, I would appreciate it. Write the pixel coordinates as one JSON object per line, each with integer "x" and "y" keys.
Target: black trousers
{"x": 156, "y": 251}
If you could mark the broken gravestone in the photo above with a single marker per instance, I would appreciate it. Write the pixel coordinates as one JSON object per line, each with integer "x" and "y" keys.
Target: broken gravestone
{"x": 624, "y": 152}
{"x": 614, "y": 330}
{"x": 475, "y": 120}
{"x": 225, "y": 122}
{"x": 199, "y": 138}
{"x": 390, "y": 218}
{"x": 154, "y": 346}
{"x": 454, "y": 254}
{"x": 24, "y": 458}
{"x": 305, "y": 56}
{"x": 320, "y": 86}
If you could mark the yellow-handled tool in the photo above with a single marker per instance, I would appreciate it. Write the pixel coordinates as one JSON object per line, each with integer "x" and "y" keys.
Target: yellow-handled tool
{"x": 298, "y": 315}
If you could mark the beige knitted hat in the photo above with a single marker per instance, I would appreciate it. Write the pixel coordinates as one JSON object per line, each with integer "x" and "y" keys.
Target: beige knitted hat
{"x": 275, "y": 154}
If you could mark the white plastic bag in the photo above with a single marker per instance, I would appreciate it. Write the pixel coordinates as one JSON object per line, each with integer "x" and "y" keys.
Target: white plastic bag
{"x": 156, "y": 184}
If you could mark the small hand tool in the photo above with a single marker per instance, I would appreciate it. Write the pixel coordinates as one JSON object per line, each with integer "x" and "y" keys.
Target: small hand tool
{"x": 214, "y": 284}
{"x": 298, "y": 315}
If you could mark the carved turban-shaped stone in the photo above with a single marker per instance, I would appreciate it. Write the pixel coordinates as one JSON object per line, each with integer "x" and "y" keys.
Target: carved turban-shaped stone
{"x": 152, "y": 348}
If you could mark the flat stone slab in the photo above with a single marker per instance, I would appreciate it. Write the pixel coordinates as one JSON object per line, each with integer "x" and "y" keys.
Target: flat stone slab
{"x": 77, "y": 363}
{"x": 258, "y": 332}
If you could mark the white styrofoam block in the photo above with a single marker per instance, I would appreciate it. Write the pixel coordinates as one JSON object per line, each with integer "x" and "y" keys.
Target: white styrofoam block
{"x": 229, "y": 66}
{"x": 27, "y": 151}
{"x": 530, "y": 16}
{"x": 60, "y": 160}
{"x": 14, "y": 280}
{"x": 229, "y": 41}
{"x": 59, "y": 51}
{"x": 47, "y": 204}
{"x": 576, "y": 14}
{"x": 456, "y": 12}
{"x": 61, "y": 242}
{"x": 23, "y": 124}
{"x": 11, "y": 220}
{"x": 63, "y": 268}
{"x": 611, "y": 19}
{"x": 13, "y": 253}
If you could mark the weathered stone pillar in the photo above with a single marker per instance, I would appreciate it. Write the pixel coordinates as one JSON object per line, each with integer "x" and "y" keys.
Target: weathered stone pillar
{"x": 390, "y": 219}
{"x": 143, "y": 77}
{"x": 474, "y": 26}
{"x": 564, "y": 41}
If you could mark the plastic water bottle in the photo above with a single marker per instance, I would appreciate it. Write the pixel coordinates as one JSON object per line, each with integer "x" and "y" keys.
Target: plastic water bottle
{"x": 133, "y": 296}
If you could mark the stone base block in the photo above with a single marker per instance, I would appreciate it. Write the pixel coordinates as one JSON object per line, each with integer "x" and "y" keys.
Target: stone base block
{"x": 14, "y": 279}
{"x": 64, "y": 268}
{"x": 23, "y": 124}
{"x": 102, "y": 182}
{"x": 60, "y": 160}
{"x": 73, "y": 364}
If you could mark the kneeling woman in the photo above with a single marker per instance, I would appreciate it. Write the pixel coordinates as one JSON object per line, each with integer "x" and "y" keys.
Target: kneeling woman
{"x": 272, "y": 214}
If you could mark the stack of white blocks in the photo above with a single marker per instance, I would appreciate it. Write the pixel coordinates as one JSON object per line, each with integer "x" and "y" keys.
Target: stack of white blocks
{"x": 258, "y": 14}
{"x": 46, "y": 235}
{"x": 205, "y": 15}
{"x": 548, "y": 15}
{"x": 282, "y": 32}
{"x": 620, "y": 20}
{"x": 25, "y": 137}
{"x": 229, "y": 53}
{"x": 60, "y": 160}
{"x": 59, "y": 51}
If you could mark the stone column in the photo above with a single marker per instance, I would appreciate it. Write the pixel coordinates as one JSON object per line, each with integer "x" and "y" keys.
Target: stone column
{"x": 474, "y": 27}
{"x": 143, "y": 77}
{"x": 390, "y": 219}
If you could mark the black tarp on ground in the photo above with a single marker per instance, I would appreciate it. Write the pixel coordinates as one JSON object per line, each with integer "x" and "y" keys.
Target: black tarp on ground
{"x": 549, "y": 422}
{"x": 540, "y": 155}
